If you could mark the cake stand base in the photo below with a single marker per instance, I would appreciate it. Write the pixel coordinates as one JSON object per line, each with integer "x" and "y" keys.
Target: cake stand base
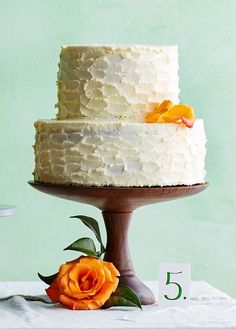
{"x": 117, "y": 205}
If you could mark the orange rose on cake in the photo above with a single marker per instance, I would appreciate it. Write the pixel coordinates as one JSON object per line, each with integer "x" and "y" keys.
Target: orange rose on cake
{"x": 85, "y": 283}
{"x": 167, "y": 112}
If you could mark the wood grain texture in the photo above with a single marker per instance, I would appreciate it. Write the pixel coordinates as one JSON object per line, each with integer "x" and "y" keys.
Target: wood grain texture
{"x": 117, "y": 205}
{"x": 118, "y": 199}
{"x": 117, "y": 252}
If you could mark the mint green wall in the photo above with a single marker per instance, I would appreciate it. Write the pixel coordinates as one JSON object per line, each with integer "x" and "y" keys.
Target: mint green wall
{"x": 200, "y": 230}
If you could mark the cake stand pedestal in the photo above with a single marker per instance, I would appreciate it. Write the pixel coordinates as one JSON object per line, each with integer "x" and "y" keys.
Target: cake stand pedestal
{"x": 117, "y": 205}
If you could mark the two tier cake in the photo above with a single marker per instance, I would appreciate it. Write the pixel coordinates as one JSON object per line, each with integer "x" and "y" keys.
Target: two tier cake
{"x": 103, "y": 134}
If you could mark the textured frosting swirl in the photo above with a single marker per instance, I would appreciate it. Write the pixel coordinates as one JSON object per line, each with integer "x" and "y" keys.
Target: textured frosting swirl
{"x": 119, "y": 153}
{"x": 115, "y": 82}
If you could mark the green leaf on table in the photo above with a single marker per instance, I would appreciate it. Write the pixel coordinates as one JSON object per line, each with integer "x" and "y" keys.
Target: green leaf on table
{"x": 48, "y": 279}
{"x": 84, "y": 245}
{"x": 93, "y": 225}
{"x": 123, "y": 296}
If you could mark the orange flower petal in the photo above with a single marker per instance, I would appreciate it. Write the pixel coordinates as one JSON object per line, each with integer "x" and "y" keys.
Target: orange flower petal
{"x": 112, "y": 268}
{"x": 179, "y": 114}
{"x": 74, "y": 304}
{"x": 181, "y": 110}
{"x": 156, "y": 110}
{"x": 77, "y": 271}
{"x": 53, "y": 292}
{"x": 165, "y": 106}
{"x": 188, "y": 123}
{"x": 152, "y": 117}
{"x": 104, "y": 294}
{"x": 64, "y": 268}
{"x": 166, "y": 112}
{"x": 93, "y": 305}
{"x": 85, "y": 283}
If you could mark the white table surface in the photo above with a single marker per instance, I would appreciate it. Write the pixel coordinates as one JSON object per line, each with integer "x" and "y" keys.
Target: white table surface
{"x": 209, "y": 308}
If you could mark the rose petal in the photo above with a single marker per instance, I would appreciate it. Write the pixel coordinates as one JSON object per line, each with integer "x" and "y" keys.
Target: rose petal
{"x": 165, "y": 106}
{"x": 105, "y": 292}
{"x": 112, "y": 268}
{"x": 93, "y": 305}
{"x": 53, "y": 292}
{"x": 73, "y": 304}
{"x": 152, "y": 117}
{"x": 63, "y": 284}
{"x": 188, "y": 123}
{"x": 78, "y": 270}
{"x": 86, "y": 283}
{"x": 166, "y": 112}
{"x": 64, "y": 268}
{"x": 181, "y": 110}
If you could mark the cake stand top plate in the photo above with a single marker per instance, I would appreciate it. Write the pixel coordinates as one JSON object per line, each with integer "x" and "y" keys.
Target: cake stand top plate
{"x": 118, "y": 199}
{"x": 6, "y": 210}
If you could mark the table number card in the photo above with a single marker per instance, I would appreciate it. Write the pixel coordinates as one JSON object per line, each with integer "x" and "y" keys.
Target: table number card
{"x": 174, "y": 282}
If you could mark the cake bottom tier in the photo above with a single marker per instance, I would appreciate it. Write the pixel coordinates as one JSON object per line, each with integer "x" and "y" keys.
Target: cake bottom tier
{"x": 104, "y": 153}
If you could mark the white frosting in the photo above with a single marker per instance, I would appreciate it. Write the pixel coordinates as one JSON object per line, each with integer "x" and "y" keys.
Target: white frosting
{"x": 119, "y": 153}
{"x": 100, "y": 137}
{"x": 115, "y": 82}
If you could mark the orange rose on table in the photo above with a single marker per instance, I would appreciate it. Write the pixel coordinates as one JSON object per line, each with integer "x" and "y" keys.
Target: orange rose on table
{"x": 85, "y": 283}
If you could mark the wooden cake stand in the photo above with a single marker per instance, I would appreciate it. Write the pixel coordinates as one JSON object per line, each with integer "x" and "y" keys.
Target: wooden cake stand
{"x": 117, "y": 205}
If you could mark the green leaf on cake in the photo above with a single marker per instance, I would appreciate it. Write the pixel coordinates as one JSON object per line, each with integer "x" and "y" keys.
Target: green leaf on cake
{"x": 93, "y": 225}
{"x": 84, "y": 245}
{"x": 48, "y": 279}
{"x": 123, "y": 296}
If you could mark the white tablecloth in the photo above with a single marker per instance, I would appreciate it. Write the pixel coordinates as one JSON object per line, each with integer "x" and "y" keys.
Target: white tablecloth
{"x": 209, "y": 308}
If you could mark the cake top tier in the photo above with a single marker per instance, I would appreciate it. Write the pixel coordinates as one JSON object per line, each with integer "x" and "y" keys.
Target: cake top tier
{"x": 115, "y": 81}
